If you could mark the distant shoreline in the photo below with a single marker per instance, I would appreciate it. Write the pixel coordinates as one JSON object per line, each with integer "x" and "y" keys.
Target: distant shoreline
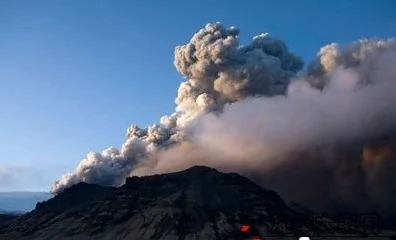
{"x": 21, "y": 202}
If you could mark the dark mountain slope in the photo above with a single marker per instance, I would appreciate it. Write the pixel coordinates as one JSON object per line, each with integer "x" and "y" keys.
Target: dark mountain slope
{"x": 6, "y": 218}
{"x": 198, "y": 203}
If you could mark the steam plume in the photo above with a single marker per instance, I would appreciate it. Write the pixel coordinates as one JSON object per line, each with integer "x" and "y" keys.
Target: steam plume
{"x": 327, "y": 133}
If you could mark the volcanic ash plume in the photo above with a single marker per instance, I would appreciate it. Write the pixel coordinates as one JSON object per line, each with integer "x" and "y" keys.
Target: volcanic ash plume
{"x": 219, "y": 71}
{"x": 326, "y": 134}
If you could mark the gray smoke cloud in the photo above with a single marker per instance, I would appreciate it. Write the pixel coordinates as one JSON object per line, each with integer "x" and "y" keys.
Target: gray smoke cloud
{"x": 218, "y": 71}
{"x": 323, "y": 137}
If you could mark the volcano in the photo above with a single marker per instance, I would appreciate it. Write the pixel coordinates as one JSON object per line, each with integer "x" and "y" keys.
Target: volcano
{"x": 196, "y": 203}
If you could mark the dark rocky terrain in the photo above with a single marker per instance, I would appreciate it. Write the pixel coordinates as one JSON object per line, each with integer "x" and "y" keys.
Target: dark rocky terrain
{"x": 197, "y": 203}
{"x": 6, "y": 218}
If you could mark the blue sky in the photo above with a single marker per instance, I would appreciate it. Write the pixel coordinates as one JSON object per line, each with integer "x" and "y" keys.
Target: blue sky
{"x": 75, "y": 74}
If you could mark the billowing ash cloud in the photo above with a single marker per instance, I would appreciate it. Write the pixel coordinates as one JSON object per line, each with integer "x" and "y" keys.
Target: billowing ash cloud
{"x": 219, "y": 71}
{"x": 327, "y": 134}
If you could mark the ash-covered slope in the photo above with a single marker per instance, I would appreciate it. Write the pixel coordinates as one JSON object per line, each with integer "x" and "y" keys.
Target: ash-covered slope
{"x": 197, "y": 203}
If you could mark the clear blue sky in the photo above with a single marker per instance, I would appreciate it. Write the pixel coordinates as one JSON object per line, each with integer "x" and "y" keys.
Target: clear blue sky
{"x": 74, "y": 74}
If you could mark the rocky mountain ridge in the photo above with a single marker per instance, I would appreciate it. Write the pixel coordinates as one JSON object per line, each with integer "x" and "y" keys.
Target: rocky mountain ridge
{"x": 197, "y": 203}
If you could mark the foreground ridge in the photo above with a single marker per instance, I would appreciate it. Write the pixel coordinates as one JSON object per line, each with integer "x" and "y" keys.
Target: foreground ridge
{"x": 196, "y": 203}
